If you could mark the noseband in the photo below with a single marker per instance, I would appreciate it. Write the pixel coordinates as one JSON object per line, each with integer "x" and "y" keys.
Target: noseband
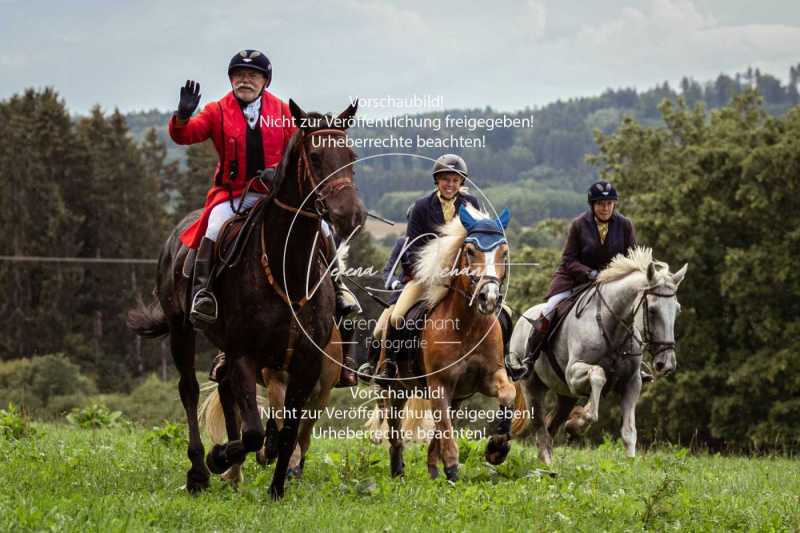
{"x": 474, "y": 280}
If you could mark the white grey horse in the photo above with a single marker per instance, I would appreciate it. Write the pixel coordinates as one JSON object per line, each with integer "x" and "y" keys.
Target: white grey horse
{"x": 632, "y": 307}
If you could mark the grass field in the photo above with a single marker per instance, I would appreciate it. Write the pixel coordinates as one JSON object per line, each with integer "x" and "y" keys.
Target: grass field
{"x": 121, "y": 479}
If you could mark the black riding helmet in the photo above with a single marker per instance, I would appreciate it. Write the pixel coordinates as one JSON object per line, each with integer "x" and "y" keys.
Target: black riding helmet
{"x": 450, "y": 163}
{"x": 252, "y": 59}
{"x": 601, "y": 190}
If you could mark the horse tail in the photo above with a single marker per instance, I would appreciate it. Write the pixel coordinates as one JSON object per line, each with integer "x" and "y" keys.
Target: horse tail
{"x": 417, "y": 421}
{"x": 521, "y": 420}
{"x": 418, "y": 417}
{"x": 212, "y": 418}
{"x": 148, "y": 320}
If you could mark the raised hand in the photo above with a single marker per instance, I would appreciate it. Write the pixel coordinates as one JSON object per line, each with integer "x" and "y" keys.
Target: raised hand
{"x": 190, "y": 97}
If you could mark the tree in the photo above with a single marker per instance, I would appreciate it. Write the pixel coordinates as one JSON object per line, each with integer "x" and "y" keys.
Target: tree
{"x": 721, "y": 194}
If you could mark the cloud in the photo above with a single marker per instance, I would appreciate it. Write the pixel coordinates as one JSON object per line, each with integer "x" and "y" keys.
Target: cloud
{"x": 516, "y": 53}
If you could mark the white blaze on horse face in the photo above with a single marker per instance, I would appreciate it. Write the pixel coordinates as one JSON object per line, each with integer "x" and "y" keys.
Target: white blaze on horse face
{"x": 488, "y": 290}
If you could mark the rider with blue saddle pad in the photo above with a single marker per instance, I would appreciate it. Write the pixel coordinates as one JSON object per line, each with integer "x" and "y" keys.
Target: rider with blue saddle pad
{"x": 594, "y": 238}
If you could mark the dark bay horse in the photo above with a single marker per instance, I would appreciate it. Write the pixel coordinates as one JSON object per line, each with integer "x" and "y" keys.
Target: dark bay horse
{"x": 461, "y": 346}
{"x": 270, "y": 315}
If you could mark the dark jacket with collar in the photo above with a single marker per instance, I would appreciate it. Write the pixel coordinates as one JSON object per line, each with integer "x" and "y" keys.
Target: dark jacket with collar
{"x": 584, "y": 253}
{"x": 423, "y": 224}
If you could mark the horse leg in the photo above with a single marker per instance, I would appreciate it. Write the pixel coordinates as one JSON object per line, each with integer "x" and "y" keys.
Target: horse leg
{"x": 232, "y": 422}
{"x": 395, "y": 408}
{"x": 300, "y": 386}
{"x": 559, "y": 415}
{"x": 434, "y": 454}
{"x": 182, "y": 347}
{"x": 276, "y": 393}
{"x": 441, "y": 395}
{"x": 242, "y": 377}
{"x": 629, "y": 399}
{"x": 581, "y": 376}
{"x": 499, "y": 444}
{"x": 579, "y": 419}
{"x": 544, "y": 441}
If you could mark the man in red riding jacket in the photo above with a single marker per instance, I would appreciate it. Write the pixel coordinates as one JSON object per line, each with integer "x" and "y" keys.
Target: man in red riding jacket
{"x": 250, "y": 128}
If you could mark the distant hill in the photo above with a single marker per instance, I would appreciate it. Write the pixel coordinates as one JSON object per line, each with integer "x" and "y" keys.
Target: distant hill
{"x": 538, "y": 172}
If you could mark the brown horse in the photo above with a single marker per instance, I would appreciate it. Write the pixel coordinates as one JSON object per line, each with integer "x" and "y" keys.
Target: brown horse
{"x": 269, "y": 317}
{"x": 275, "y": 381}
{"x": 460, "y": 342}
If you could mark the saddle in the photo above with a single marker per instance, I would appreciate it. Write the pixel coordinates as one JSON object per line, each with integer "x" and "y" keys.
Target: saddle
{"x": 560, "y": 313}
{"x": 232, "y": 237}
{"x": 409, "y": 358}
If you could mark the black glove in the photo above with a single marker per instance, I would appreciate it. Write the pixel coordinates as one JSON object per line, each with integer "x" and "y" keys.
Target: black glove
{"x": 190, "y": 97}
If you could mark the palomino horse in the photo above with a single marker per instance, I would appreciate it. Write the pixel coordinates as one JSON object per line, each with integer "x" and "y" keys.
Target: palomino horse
{"x": 460, "y": 342}
{"x": 599, "y": 346}
{"x": 269, "y": 317}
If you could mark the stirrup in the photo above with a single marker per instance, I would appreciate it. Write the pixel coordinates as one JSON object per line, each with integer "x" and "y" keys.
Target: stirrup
{"x": 366, "y": 371}
{"x": 195, "y": 315}
{"x": 385, "y": 374}
{"x": 518, "y": 373}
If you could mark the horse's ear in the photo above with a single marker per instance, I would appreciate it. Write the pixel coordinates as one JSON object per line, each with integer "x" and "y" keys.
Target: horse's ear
{"x": 678, "y": 276}
{"x": 346, "y": 116}
{"x": 651, "y": 272}
{"x": 467, "y": 220}
{"x": 504, "y": 218}
{"x": 298, "y": 114}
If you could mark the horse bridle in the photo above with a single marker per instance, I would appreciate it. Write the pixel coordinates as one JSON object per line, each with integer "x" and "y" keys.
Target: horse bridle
{"x": 475, "y": 280}
{"x": 646, "y": 342}
{"x": 307, "y": 175}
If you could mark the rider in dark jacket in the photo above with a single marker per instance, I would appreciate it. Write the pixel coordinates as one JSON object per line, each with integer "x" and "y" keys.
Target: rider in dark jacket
{"x": 595, "y": 237}
{"x": 427, "y": 216}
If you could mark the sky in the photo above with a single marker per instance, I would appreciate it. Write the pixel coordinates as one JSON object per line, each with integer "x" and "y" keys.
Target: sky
{"x": 456, "y": 54}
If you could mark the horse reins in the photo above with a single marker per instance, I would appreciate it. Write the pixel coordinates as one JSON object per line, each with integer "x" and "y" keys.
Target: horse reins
{"x": 646, "y": 342}
{"x": 307, "y": 175}
{"x": 475, "y": 280}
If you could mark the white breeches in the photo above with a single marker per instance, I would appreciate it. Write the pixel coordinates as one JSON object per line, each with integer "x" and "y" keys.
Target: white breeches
{"x": 554, "y": 300}
{"x": 222, "y": 212}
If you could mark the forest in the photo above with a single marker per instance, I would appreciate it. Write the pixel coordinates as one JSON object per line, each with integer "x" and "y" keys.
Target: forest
{"x": 709, "y": 173}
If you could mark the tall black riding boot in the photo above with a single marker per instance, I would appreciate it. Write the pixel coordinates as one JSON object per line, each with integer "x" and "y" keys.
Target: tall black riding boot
{"x": 538, "y": 335}
{"x": 204, "y": 303}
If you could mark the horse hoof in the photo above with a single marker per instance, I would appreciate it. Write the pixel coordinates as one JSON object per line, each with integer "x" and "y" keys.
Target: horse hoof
{"x": 216, "y": 460}
{"x": 261, "y": 457}
{"x": 451, "y": 472}
{"x": 295, "y": 473}
{"x": 399, "y": 471}
{"x": 196, "y": 481}
{"x": 433, "y": 471}
{"x": 497, "y": 453}
{"x": 275, "y": 492}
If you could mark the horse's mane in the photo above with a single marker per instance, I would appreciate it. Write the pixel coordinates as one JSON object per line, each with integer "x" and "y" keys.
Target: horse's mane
{"x": 438, "y": 255}
{"x": 637, "y": 260}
